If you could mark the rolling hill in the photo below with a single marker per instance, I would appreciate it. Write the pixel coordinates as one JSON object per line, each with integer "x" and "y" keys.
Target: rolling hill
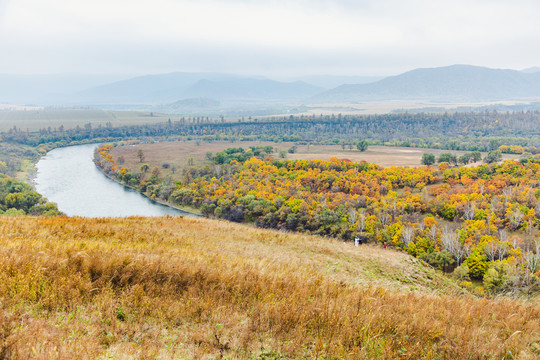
{"x": 454, "y": 83}
{"x": 45, "y": 89}
{"x": 241, "y": 89}
{"x": 166, "y": 88}
{"x": 195, "y": 288}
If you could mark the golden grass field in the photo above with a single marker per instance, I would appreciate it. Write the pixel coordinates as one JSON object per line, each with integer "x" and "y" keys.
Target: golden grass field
{"x": 184, "y": 288}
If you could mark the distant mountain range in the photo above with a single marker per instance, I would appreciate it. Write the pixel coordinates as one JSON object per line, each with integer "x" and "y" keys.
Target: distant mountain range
{"x": 220, "y": 87}
{"x": 220, "y": 93}
{"x": 47, "y": 89}
{"x": 331, "y": 81}
{"x": 445, "y": 84}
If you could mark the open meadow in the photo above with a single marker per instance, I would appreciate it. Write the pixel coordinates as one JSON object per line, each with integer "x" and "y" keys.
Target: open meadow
{"x": 202, "y": 289}
{"x": 381, "y": 155}
{"x": 178, "y": 154}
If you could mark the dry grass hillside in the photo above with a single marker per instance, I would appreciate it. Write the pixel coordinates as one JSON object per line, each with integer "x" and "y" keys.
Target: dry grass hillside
{"x": 74, "y": 288}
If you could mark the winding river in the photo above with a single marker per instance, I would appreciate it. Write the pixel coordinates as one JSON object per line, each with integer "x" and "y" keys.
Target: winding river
{"x": 68, "y": 177}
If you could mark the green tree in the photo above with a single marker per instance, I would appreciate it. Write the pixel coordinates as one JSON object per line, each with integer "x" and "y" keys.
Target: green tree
{"x": 218, "y": 212}
{"x": 493, "y": 156}
{"x": 208, "y": 209}
{"x": 462, "y": 273}
{"x": 14, "y": 200}
{"x": 362, "y": 145}
{"x": 448, "y": 158}
{"x": 476, "y": 156}
{"x": 495, "y": 275}
{"x": 428, "y": 159}
{"x": 464, "y": 159}
{"x": 440, "y": 259}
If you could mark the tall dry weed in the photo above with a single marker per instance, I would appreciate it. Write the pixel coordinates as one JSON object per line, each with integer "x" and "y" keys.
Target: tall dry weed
{"x": 192, "y": 288}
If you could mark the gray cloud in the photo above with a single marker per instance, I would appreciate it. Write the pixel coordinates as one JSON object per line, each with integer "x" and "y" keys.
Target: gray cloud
{"x": 268, "y": 37}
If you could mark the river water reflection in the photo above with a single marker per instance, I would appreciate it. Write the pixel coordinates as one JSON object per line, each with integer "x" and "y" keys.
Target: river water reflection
{"x": 68, "y": 177}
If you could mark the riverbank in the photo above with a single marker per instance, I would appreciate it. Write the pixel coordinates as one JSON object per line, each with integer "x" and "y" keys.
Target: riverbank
{"x": 191, "y": 210}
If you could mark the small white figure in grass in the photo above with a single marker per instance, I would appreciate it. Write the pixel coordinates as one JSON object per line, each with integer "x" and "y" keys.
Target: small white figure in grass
{"x": 356, "y": 241}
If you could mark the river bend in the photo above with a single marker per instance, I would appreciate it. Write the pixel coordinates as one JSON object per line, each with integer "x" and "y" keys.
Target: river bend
{"x": 68, "y": 177}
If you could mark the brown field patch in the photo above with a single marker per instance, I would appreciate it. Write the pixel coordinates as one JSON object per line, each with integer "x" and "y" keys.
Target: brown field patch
{"x": 177, "y": 154}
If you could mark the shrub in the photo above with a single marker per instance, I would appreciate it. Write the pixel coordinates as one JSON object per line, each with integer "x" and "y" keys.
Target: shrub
{"x": 495, "y": 275}
{"x": 440, "y": 259}
{"x": 477, "y": 263}
{"x": 462, "y": 273}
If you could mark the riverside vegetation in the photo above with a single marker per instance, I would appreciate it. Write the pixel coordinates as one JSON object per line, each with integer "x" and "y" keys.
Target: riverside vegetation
{"x": 16, "y": 196}
{"x": 196, "y": 288}
{"x": 482, "y": 219}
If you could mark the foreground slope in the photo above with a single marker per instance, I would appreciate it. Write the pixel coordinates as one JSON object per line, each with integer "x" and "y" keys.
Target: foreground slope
{"x": 194, "y": 288}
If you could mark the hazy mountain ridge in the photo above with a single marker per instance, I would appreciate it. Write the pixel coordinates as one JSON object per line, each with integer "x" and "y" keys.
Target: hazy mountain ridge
{"x": 166, "y": 88}
{"x": 25, "y": 89}
{"x": 252, "y": 89}
{"x": 451, "y": 83}
{"x": 146, "y": 89}
{"x": 190, "y": 105}
{"x": 332, "y": 81}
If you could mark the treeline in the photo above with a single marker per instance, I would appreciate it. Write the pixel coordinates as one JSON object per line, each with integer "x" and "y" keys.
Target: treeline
{"x": 239, "y": 154}
{"x": 14, "y": 156}
{"x": 18, "y": 198}
{"x": 482, "y": 221}
{"x": 471, "y": 131}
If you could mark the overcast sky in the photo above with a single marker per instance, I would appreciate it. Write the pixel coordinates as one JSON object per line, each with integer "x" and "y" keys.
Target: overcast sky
{"x": 267, "y": 37}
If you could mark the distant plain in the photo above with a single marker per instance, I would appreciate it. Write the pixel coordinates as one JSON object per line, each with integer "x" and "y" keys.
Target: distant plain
{"x": 36, "y": 119}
